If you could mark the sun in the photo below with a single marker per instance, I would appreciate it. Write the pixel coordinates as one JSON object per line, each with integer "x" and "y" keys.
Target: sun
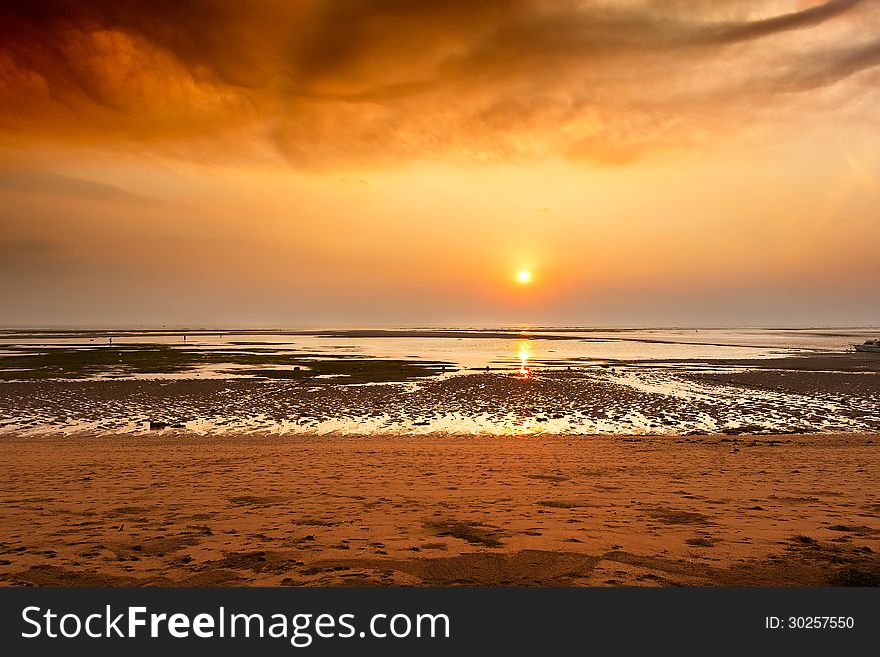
{"x": 524, "y": 277}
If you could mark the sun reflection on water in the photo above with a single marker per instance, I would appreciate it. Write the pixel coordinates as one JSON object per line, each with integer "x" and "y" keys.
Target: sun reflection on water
{"x": 525, "y": 353}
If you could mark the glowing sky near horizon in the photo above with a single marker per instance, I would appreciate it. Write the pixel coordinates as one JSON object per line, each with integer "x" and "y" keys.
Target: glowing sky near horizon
{"x": 392, "y": 162}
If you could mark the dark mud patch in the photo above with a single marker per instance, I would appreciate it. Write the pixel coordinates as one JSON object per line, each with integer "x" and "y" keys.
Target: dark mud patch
{"x": 131, "y": 510}
{"x": 808, "y": 499}
{"x": 45, "y": 575}
{"x": 257, "y": 561}
{"x": 854, "y": 576}
{"x": 475, "y": 533}
{"x": 547, "y": 477}
{"x": 803, "y": 564}
{"x": 255, "y": 500}
{"x": 564, "y": 504}
{"x": 316, "y": 522}
{"x": 858, "y": 530}
{"x": 670, "y": 516}
{"x": 854, "y": 382}
{"x": 159, "y": 547}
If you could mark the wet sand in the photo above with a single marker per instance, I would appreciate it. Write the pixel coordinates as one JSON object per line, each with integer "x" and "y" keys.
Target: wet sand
{"x": 180, "y": 509}
{"x": 597, "y": 400}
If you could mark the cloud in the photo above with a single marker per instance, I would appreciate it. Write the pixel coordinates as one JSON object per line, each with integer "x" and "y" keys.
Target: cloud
{"x": 27, "y": 247}
{"x": 26, "y": 180}
{"x": 20, "y": 256}
{"x": 320, "y": 83}
{"x": 809, "y": 17}
{"x": 839, "y": 65}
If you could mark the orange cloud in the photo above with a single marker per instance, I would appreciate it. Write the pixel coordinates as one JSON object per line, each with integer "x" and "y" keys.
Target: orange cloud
{"x": 322, "y": 84}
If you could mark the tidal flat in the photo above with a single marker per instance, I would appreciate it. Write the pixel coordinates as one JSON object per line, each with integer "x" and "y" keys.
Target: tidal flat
{"x": 432, "y": 381}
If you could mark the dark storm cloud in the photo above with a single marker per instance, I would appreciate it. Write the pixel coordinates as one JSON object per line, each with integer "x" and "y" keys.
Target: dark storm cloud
{"x": 371, "y": 80}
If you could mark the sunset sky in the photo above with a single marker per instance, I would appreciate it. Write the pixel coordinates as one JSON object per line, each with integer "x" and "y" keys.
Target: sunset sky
{"x": 401, "y": 162}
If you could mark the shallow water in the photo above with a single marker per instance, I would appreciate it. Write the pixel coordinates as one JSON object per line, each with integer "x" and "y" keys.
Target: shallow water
{"x": 545, "y": 347}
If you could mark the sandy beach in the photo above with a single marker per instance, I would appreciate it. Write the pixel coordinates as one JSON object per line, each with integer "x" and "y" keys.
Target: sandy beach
{"x": 179, "y": 509}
